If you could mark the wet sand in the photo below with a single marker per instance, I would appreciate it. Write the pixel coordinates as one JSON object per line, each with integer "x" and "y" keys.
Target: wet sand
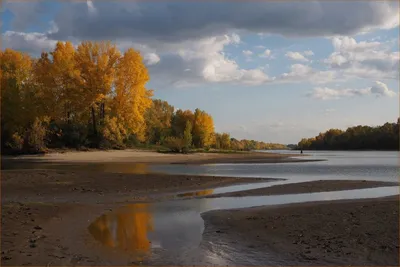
{"x": 79, "y": 186}
{"x": 137, "y": 156}
{"x": 40, "y": 208}
{"x": 358, "y": 232}
{"x": 308, "y": 187}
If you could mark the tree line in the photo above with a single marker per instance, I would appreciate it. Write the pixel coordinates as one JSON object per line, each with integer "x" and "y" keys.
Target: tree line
{"x": 94, "y": 96}
{"x": 384, "y": 137}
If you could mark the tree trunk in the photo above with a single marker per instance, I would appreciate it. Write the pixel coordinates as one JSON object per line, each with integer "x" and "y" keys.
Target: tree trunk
{"x": 94, "y": 121}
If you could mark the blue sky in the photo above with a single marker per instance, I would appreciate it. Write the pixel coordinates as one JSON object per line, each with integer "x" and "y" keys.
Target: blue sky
{"x": 275, "y": 72}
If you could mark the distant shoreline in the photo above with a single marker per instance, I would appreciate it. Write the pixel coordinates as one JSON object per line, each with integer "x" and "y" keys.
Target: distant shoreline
{"x": 143, "y": 156}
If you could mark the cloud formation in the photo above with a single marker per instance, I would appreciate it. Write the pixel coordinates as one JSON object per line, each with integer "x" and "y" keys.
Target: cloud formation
{"x": 379, "y": 89}
{"x": 184, "y": 43}
{"x": 363, "y": 59}
{"x": 266, "y": 54}
{"x": 297, "y": 56}
{"x": 171, "y": 22}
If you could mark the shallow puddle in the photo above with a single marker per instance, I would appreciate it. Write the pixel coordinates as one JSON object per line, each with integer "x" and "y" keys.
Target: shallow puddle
{"x": 171, "y": 232}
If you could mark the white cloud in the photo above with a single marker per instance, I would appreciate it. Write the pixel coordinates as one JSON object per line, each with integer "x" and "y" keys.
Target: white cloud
{"x": 151, "y": 59}
{"x": 32, "y": 42}
{"x": 380, "y": 89}
{"x": 247, "y": 52}
{"x": 91, "y": 8}
{"x": 207, "y": 63}
{"x": 266, "y": 54}
{"x": 296, "y": 56}
{"x": 308, "y": 53}
{"x": 299, "y": 56}
{"x": 363, "y": 59}
{"x": 300, "y": 72}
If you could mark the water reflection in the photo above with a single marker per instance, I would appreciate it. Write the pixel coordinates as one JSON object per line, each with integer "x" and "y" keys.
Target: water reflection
{"x": 126, "y": 230}
{"x": 111, "y": 167}
{"x": 121, "y": 167}
{"x": 171, "y": 231}
{"x": 197, "y": 193}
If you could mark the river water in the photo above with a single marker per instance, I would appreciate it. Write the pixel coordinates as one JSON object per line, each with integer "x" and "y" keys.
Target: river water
{"x": 171, "y": 232}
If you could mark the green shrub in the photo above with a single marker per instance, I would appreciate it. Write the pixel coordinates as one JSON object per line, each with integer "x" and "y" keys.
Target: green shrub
{"x": 174, "y": 144}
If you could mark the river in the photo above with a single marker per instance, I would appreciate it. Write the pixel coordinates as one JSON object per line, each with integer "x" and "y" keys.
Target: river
{"x": 171, "y": 232}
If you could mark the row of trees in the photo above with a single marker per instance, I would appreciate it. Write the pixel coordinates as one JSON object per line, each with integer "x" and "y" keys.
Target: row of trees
{"x": 385, "y": 137}
{"x": 184, "y": 129}
{"x": 93, "y": 95}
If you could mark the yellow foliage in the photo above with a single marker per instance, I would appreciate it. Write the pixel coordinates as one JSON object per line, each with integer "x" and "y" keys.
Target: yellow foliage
{"x": 113, "y": 132}
{"x": 203, "y": 129}
{"x": 17, "y": 110}
{"x": 127, "y": 230}
{"x": 132, "y": 98}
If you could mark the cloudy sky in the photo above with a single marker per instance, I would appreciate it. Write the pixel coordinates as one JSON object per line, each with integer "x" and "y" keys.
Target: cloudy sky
{"x": 271, "y": 71}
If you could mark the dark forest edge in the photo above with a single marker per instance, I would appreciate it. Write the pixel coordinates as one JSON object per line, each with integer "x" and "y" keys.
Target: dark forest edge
{"x": 94, "y": 97}
{"x": 384, "y": 137}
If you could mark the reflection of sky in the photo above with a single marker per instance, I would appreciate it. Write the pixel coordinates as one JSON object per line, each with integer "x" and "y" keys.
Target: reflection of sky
{"x": 176, "y": 226}
{"x": 370, "y": 165}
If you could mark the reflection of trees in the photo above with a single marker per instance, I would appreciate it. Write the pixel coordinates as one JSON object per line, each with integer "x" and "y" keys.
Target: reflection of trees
{"x": 197, "y": 193}
{"x": 126, "y": 230}
{"x": 137, "y": 168}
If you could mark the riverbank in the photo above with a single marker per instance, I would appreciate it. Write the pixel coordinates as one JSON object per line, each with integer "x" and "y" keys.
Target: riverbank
{"x": 140, "y": 156}
{"x": 40, "y": 208}
{"x": 78, "y": 186}
{"x": 308, "y": 187}
{"x": 356, "y": 232}
{"x": 46, "y": 212}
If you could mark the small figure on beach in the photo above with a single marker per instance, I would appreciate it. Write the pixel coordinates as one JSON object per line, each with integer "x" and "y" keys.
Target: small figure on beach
{"x": 301, "y": 151}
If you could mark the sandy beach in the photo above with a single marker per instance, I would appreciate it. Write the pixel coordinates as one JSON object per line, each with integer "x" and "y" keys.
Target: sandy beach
{"x": 139, "y": 156}
{"x": 357, "y": 232}
{"x": 308, "y": 187}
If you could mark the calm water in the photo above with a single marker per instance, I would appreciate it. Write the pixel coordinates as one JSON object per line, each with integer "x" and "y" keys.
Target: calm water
{"x": 338, "y": 165}
{"x": 171, "y": 232}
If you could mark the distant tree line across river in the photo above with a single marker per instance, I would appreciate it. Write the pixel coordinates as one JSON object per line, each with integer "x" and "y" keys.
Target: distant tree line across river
{"x": 384, "y": 137}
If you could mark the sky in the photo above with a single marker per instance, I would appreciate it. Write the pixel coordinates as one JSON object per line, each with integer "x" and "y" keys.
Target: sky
{"x": 268, "y": 71}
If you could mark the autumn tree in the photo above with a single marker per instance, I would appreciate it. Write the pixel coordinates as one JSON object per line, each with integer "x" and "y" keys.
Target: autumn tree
{"x": 187, "y": 135}
{"x": 179, "y": 121}
{"x": 17, "y": 103}
{"x": 132, "y": 99}
{"x": 158, "y": 121}
{"x": 203, "y": 129}
{"x": 96, "y": 63}
{"x": 225, "y": 141}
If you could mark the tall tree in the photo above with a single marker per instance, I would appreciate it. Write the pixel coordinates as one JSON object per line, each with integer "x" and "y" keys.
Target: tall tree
{"x": 96, "y": 63}
{"x": 203, "y": 129}
{"x": 17, "y": 110}
{"x": 179, "y": 121}
{"x": 187, "y": 135}
{"x": 158, "y": 121}
{"x": 132, "y": 99}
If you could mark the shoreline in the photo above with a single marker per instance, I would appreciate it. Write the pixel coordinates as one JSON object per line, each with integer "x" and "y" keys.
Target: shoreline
{"x": 151, "y": 157}
{"x": 308, "y": 187}
{"x": 42, "y": 206}
{"x": 342, "y": 232}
